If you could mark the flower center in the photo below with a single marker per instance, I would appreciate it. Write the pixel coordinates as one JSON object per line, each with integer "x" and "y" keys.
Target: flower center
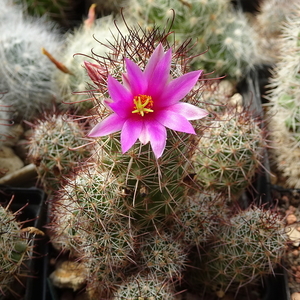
{"x": 142, "y": 104}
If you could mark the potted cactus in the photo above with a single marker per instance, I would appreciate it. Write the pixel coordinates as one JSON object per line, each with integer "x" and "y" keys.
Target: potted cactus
{"x": 140, "y": 215}
{"x": 147, "y": 170}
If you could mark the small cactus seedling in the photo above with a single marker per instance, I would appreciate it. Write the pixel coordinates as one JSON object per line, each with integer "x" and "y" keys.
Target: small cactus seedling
{"x": 248, "y": 247}
{"x": 229, "y": 152}
{"x": 144, "y": 287}
{"x": 163, "y": 256}
{"x": 51, "y": 147}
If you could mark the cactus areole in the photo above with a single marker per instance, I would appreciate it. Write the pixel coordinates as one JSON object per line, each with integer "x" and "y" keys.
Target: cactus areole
{"x": 147, "y": 102}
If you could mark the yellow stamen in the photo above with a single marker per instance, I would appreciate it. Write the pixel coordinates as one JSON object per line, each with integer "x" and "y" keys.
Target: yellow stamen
{"x": 142, "y": 104}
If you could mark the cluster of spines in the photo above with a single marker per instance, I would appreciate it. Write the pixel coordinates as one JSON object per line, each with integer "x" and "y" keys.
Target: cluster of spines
{"x": 143, "y": 286}
{"x": 198, "y": 217}
{"x": 56, "y": 147}
{"x": 229, "y": 152}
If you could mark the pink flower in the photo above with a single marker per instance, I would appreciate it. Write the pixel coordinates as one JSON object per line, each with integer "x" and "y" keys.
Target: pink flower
{"x": 148, "y": 102}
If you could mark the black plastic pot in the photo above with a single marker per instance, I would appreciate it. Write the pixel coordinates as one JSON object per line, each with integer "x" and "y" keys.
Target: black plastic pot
{"x": 31, "y": 204}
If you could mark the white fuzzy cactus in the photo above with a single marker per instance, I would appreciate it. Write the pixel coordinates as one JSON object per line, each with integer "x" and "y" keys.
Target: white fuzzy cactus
{"x": 284, "y": 110}
{"x": 25, "y": 72}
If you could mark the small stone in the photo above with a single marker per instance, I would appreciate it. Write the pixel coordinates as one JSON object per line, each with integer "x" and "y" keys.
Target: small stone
{"x": 290, "y": 219}
{"x": 293, "y": 234}
{"x": 15, "y": 133}
{"x": 297, "y": 274}
{"x": 297, "y": 279}
{"x": 9, "y": 161}
{"x": 285, "y": 198}
{"x": 69, "y": 274}
{"x": 295, "y": 253}
{"x": 295, "y": 296}
{"x": 292, "y": 208}
{"x": 298, "y": 268}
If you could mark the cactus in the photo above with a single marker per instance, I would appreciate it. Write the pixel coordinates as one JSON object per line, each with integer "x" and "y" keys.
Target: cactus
{"x": 163, "y": 255}
{"x": 155, "y": 186}
{"x": 135, "y": 214}
{"x": 283, "y": 109}
{"x": 144, "y": 287}
{"x": 248, "y": 247}
{"x": 89, "y": 219}
{"x": 15, "y": 251}
{"x": 198, "y": 217}
{"x": 50, "y": 147}
{"x": 222, "y": 31}
{"x": 25, "y": 73}
{"x": 75, "y": 54}
{"x": 229, "y": 152}
{"x": 268, "y": 23}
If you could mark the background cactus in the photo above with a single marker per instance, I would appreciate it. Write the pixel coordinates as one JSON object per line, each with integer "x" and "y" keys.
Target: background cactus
{"x": 25, "y": 72}
{"x": 284, "y": 106}
{"x": 66, "y": 13}
{"x": 144, "y": 287}
{"x": 220, "y": 30}
{"x": 229, "y": 152}
{"x": 199, "y": 216}
{"x": 268, "y": 22}
{"x": 248, "y": 247}
{"x": 163, "y": 256}
{"x": 82, "y": 41}
{"x": 51, "y": 148}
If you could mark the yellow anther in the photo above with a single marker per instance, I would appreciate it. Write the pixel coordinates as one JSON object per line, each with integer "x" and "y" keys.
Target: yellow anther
{"x": 142, "y": 104}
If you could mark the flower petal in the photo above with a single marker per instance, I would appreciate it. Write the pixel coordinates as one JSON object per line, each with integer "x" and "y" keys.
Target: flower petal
{"x": 154, "y": 59}
{"x": 144, "y": 136}
{"x": 160, "y": 76}
{"x": 130, "y": 133}
{"x": 187, "y": 110}
{"x": 123, "y": 109}
{"x": 179, "y": 88}
{"x": 136, "y": 78}
{"x": 117, "y": 91}
{"x": 174, "y": 121}
{"x": 111, "y": 124}
{"x": 157, "y": 136}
